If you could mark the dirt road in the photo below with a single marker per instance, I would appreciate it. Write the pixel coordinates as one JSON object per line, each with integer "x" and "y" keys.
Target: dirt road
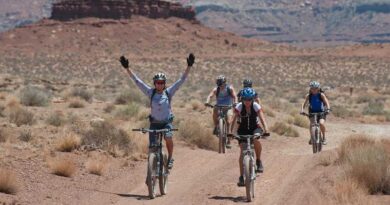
{"x": 292, "y": 175}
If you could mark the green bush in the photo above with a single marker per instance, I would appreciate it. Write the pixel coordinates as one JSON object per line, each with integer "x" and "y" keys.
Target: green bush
{"x": 283, "y": 129}
{"x": 374, "y": 108}
{"x": 82, "y": 93}
{"x": 33, "y": 96}
{"x": 128, "y": 111}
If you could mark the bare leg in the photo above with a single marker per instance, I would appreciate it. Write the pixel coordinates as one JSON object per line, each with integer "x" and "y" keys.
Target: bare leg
{"x": 169, "y": 143}
{"x": 258, "y": 148}
{"x": 322, "y": 127}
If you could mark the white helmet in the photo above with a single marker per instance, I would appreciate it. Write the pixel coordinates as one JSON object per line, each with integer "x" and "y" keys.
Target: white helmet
{"x": 314, "y": 84}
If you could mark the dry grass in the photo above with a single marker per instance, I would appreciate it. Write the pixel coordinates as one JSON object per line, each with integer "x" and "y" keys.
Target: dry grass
{"x": 128, "y": 111}
{"x": 109, "y": 108}
{"x": 327, "y": 158}
{"x": 197, "y": 105}
{"x": 57, "y": 119}
{"x": 300, "y": 121}
{"x": 81, "y": 93}
{"x": 25, "y": 135}
{"x": 130, "y": 96}
{"x": 21, "y": 116}
{"x": 97, "y": 165}
{"x": 76, "y": 103}
{"x": 68, "y": 142}
{"x": 8, "y": 184}
{"x": 349, "y": 191}
{"x": 193, "y": 132}
{"x": 367, "y": 162}
{"x": 269, "y": 112}
{"x": 283, "y": 129}
{"x": 62, "y": 166}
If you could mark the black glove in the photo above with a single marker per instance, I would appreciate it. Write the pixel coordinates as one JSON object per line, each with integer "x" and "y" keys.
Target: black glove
{"x": 327, "y": 111}
{"x": 124, "y": 62}
{"x": 191, "y": 60}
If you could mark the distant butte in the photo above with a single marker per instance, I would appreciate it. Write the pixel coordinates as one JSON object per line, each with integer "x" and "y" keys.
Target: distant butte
{"x": 67, "y": 10}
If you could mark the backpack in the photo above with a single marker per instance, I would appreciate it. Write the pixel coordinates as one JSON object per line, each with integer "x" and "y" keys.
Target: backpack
{"x": 321, "y": 92}
{"x": 155, "y": 91}
{"x": 229, "y": 90}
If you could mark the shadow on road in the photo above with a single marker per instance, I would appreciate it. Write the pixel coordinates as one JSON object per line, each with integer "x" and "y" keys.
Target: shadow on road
{"x": 230, "y": 198}
{"x": 137, "y": 196}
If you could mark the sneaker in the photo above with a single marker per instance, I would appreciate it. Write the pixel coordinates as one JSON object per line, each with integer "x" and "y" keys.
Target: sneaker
{"x": 215, "y": 132}
{"x": 241, "y": 181}
{"x": 324, "y": 142}
{"x": 309, "y": 141}
{"x": 228, "y": 145}
{"x": 259, "y": 166}
{"x": 170, "y": 163}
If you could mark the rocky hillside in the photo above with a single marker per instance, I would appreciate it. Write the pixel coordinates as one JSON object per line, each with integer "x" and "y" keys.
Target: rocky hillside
{"x": 299, "y": 21}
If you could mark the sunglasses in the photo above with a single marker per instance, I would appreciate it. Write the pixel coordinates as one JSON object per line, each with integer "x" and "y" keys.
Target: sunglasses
{"x": 160, "y": 82}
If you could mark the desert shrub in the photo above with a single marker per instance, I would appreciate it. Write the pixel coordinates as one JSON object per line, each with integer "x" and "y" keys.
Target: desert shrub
{"x": 21, "y": 116}
{"x": 197, "y": 105}
{"x": 193, "y": 132}
{"x": 2, "y": 108}
{"x": 269, "y": 112}
{"x": 25, "y": 135}
{"x": 300, "y": 121}
{"x": 109, "y": 108}
{"x": 374, "y": 108}
{"x": 56, "y": 119}
{"x": 130, "y": 96}
{"x": 367, "y": 162}
{"x": 62, "y": 166}
{"x": 128, "y": 111}
{"x": 349, "y": 191}
{"x": 96, "y": 165}
{"x": 76, "y": 103}
{"x": 363, "y": 99}
{"x": 82, "y": 93}
{"x": 8, "y": 183}
{"x": 283, "y": 129}
{"x": 33, "y": 96}
{"x": 106, "y": 136}
{"x": 68, "y": 142}
{"x": 341, "y": 111}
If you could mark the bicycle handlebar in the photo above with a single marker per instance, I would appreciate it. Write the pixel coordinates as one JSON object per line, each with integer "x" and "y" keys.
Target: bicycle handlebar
{"x": 238, "y": 137}
{"x": 218, "y": 106}
{"x": 315, "y": 113}
{"x": 145, "y": 130}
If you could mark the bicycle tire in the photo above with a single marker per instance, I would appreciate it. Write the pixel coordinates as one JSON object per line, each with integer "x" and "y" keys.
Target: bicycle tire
{"x": 220, "y": 136}
{"x": 314, "y": 140}
{"x": 163, "y": 178}
{"x": 248, "y": 178}
{"x": 151, "y": 180}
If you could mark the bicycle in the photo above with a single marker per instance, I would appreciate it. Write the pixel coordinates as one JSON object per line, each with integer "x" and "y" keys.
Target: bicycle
{"x": 222, "y": 126}
{"x": 315, "y": 131}
{"x": 157, "y": 163}
{"x": 248, "y": 163}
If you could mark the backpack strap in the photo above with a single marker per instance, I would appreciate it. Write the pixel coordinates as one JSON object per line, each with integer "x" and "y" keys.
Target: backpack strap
{"x": 229, "y": 90}
{"x": 154, "y": 93}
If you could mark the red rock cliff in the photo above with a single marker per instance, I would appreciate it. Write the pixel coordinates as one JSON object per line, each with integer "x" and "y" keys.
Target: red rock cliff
{"x": 118, "y": 9}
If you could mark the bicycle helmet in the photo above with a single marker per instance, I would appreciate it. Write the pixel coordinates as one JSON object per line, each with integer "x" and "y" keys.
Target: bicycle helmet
{"x": 248, "y": 94}
{"x": 221, "y": 80}
{"x": 314, "y": 84}
{"x": 247, "y": 83}
{"x": 159, "y": 76}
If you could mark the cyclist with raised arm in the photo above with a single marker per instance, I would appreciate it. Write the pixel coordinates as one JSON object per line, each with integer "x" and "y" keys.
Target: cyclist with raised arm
{"x": 318, "y": 103}
{"x": 249, "y": 111}
{"x": 247, "y": 83}
{"x": 160, "y": 101}
{"x": 225, "y": 95}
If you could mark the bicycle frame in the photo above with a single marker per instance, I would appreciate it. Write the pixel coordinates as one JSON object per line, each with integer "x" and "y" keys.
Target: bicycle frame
{"x": 249, "y": 151}
{"x": 315, "y": 131}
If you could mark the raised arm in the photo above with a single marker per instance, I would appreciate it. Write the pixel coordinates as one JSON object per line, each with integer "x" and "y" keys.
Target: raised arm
{"x": 140, "y": 84}
{"x": 173, "y": 88}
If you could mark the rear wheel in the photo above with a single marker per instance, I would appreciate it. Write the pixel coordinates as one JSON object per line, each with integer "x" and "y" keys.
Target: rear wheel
{"x": 163, "y": 178}
{"x": 249, "y": 186}
{"x": 151, "y": 178}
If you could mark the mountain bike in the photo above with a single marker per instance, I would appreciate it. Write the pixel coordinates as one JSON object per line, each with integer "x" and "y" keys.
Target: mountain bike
{"x": 157, "y": 163}
{"x": 315, "y": 131}
{"x": 222, "y": 125}
{"x": 248, "y": 163}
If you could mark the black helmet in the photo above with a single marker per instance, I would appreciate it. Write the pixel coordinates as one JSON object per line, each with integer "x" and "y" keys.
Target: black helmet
{"x": 221, "y": 80}
{"x": 159, "y": 76}
{"x": 247, "y": 83}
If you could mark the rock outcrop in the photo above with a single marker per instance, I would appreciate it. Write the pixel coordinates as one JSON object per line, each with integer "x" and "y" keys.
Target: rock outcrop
{"x": 119, "y": 9}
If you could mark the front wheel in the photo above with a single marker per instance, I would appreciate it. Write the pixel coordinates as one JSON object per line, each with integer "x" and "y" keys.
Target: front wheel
{"x": 163, "y": 178}
{"x": 151, "y": 178}
{"x": 314, "y": 139}
{"x": 249, "y": 183}
{"x": 221, "y": 134}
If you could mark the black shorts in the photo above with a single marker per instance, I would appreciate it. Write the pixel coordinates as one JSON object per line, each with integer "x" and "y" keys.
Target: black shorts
{"x": 323, "y": 116}
{"x": 258, "y": 131}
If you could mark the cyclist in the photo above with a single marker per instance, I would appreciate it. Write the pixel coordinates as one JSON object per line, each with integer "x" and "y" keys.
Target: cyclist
{"x": 318, "y": 102}
{"x": 249, "y": 111}
{"x": 247, "y": 83}
{"x": 225, "y": 95}
{"x": 160, "y": 101}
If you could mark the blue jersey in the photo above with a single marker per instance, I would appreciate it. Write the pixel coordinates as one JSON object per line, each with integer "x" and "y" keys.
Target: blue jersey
{"x": 316, "y": 104}
{"x": 224, "y": 96}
